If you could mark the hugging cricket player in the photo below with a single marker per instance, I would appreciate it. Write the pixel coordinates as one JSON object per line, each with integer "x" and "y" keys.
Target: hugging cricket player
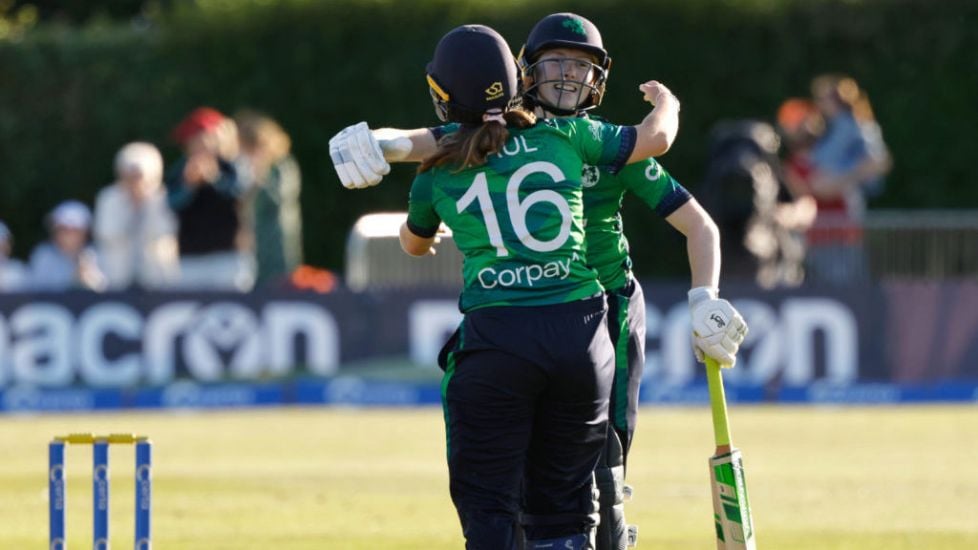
{"x": 564, "y": 68}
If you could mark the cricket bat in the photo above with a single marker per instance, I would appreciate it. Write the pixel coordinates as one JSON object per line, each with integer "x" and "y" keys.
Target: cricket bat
{"x": 731, "y": 508}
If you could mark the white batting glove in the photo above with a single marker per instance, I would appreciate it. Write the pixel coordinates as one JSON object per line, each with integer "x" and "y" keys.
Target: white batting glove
{"x": 357, "y": 157}
{"x": 718, "y": 328}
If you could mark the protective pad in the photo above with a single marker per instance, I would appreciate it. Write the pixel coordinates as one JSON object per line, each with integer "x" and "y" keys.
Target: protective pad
{"x": 612, "y": 532}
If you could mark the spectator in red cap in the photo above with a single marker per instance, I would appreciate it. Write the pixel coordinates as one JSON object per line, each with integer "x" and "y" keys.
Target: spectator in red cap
{"x": 202, "y": 119}
{"x": 204, "y": 190}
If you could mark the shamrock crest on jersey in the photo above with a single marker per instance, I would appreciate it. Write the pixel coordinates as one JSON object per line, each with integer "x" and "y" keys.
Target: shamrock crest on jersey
{"x": 590, "y": 176}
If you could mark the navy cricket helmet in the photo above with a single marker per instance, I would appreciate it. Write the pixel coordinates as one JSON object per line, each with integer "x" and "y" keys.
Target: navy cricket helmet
{"x": 472, "y": 72}
{"x": 571, "y": 31}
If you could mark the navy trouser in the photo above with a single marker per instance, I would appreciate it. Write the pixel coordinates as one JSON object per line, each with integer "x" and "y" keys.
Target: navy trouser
{"x": 626, "y": 317}
{"x": 525, "y": 394}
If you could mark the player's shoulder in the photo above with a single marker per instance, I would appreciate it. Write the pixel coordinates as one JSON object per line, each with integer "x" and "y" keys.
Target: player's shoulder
{"x": 551, "y": 124}
{"x": 549, "y": 128}
{"x": 651, "y": 165}
{"x": 648, "y": 169}
{"x": 597, "y": 121}
{"x": 567, "y": 123}
{"x": 577, "y": 127}
{"x": 424, "y": 182}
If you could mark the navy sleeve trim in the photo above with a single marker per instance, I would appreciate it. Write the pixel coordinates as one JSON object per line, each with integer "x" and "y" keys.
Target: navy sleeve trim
{"x": 423, "y": 232}
{"x": 673, "y": 201}
{"x": 437, "y": 132}
{"x": 629, "y": 137}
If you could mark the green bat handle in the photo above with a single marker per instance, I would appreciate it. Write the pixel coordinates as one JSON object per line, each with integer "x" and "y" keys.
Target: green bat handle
{"x": 718, "y": 402}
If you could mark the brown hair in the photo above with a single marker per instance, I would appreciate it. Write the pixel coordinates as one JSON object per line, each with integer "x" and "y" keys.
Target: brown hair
{"x": 257, "y": 129}
{"x": 472, "y": 144}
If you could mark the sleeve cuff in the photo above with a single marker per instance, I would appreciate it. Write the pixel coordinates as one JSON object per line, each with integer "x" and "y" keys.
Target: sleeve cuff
{"x": 423, "y": 232}
{"x": 438, "y": 131}
{"x": 673, "y": 202}
{"x": 629, "y": 136}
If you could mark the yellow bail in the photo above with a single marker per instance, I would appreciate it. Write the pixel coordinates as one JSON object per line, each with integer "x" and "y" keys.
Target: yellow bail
{"x": 89, "y": 438}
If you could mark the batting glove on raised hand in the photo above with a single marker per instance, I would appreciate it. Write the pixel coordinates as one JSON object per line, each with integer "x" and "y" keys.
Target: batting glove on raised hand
{"x": 718, "y": 328}
{"x": 357, "y": 157}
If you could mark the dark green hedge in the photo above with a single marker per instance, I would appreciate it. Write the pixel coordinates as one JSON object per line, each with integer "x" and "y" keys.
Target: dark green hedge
{"x": 70, "y": 98}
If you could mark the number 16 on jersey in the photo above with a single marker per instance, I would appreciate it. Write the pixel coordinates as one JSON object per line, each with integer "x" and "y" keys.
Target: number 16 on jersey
{"x": 518, "y": 210}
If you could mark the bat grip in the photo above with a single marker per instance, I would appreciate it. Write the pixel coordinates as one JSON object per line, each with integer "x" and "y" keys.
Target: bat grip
{"x": 718, "y": 403}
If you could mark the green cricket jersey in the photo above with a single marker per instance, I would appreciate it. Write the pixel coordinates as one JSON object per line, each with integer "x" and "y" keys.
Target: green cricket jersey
{"x": 604, "y": 191}
{"x": 607, "y": 246}
{"x": 519, "y": 219}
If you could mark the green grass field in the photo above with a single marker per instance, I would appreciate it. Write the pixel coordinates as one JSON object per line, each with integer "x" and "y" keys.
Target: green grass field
{"x": 290, "y": 479}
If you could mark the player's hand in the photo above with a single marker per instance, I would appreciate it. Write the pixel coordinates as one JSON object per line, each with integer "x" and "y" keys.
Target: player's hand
{"x": 718, "y": 328}
{"x": 656, "y": 93}
{"x": 357, "y": 157}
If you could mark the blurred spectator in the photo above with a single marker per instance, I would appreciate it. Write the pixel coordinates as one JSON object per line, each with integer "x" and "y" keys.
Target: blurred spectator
{"x": 315, "y": 279}
{"x": 66, "y": 261}
{"x": 800, "y": 125}
{"x": 847, "y": 162}
{"x": 13, "y": 274}
{"x": 272, "y": 208}
{"x": 761, "y": 220}
{"x": 135, "y": 231}
{"x": 204, "y": 190}
{"x": 228, "y": 142}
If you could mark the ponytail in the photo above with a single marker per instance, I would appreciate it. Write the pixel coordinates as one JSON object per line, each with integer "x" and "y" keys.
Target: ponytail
{"x": 472, "y": 144}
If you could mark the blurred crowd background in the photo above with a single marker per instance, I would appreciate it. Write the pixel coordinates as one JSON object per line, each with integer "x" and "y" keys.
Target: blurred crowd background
{"x": 224, "y": 216}
{"x": 157, "y": 144}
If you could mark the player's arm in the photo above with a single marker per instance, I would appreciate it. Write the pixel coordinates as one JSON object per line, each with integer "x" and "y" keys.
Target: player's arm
{"x": 702, "y": 242}
{"x": 413, "y": 145}
{"x": 718, "y": 328}
{"x": 656, "y": 133}
{"x": 414, "y": 244}
{"x": 422, "y": 227}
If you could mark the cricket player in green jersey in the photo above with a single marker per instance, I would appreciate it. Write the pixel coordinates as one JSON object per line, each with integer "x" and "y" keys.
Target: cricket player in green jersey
{"x": 528, "y": 373}
{"x": 572, "y": 45}
{"x": 565, "y": 68}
